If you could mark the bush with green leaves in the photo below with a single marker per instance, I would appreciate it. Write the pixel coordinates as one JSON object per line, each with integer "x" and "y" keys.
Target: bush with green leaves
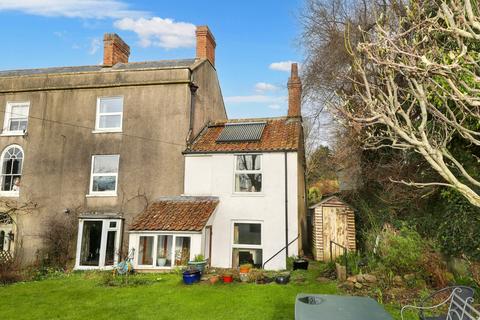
{"x": 458, "y": 231}
{"x": 400, "y": 251}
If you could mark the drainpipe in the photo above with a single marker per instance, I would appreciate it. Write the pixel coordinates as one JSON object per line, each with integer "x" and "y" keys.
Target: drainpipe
{"x": 286, "y": 205}
{"x": 193, "y": 90}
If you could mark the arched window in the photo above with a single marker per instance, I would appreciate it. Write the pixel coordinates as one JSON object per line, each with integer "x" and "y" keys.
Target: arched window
{"x": 12, "y": 162}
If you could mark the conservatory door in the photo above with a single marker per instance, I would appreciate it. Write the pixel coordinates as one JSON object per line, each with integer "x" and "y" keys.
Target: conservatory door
{"x": 98, "y": 243}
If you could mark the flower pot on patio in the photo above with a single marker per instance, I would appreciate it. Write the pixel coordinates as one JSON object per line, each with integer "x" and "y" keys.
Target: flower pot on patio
{"x": 191, "y": 276}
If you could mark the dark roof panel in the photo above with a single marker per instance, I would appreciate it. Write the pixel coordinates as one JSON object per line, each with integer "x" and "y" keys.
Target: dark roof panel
{"x": 278, "y": 134}
{"x": 161, "y": 64}
{"x": 236, "y": 132}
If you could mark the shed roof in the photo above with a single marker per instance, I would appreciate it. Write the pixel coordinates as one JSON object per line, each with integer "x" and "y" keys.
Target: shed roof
{"x": 278, "y": 134}
{"x": 176, "y": 214}
{"x": 160, "y": 64}
{"x": 331, "y": 201}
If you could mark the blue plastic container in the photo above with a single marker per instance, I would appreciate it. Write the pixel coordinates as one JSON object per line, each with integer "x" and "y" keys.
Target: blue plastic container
{"x": 191, "y": 276}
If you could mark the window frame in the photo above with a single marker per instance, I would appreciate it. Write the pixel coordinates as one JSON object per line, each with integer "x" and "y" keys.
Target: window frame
{"x": 103, "y": 242}
{"x": 236, "y": 171}
{"x": 113, "y": 193}
{"x": 8, "y": 117}
{"x": 247, "y": 246}
{"x": 10, "y": 193}
{"x": 98, "y": 114}
{"x": 155, "y": 235}
{"x": 234, "y": 246}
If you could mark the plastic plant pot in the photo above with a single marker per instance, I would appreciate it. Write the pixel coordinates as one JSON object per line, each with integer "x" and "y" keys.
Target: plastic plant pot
{"x": 282, "y": 279}
{"x": 227, "y": 278}
{"x": 191, "y": 276}
{"x": 244, "y": 269}
{"x": 199, "y": 265}
{"x": 300, "y": 264}
{"x": 243, "y": 276}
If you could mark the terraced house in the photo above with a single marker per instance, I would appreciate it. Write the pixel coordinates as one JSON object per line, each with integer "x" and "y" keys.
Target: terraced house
{"x": 244, "y": 197}
{"x": 100, "y": 142}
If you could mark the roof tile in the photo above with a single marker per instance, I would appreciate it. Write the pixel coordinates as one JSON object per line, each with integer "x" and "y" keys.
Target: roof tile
{"x": 280, "y": 134}
{"x": 176, "y": 214}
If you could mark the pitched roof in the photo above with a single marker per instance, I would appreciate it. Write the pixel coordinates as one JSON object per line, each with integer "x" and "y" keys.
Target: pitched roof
{"x": 176, "y": 214}
{"x": 279, "y": 134}
{"x": 161, "y": 64}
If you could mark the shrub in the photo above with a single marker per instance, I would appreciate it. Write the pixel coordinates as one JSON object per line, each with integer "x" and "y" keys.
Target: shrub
{"x": 11, "y": 271}
{"x": 110, "y": 279}
{"x": 400, "y": 251}
{"x": 59, "y": 242}
{"x": 457, "y": 233}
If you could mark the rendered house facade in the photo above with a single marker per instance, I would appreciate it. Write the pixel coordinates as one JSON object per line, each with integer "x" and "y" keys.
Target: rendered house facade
{"x": 99, "y": 142}
{"x": 244, "y": 197}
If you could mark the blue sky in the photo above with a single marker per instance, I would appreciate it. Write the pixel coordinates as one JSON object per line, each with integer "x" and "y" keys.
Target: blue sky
{"x": 255, "y": 39}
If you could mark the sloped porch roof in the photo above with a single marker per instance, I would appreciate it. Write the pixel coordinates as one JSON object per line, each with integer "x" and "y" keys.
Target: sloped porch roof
{"x": 184, "y": 213}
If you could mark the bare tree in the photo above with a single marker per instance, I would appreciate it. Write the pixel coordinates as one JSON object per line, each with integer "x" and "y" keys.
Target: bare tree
{"x": 416, "y": 86}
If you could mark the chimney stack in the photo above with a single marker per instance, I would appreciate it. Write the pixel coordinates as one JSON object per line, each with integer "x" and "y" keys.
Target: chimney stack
{"x": 205, "y": 44}
{"x": 294, "y": 93}
{"x": 115, "y": 50}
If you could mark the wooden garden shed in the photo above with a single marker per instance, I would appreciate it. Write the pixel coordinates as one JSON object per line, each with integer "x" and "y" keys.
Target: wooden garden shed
{"x": 332, "y": 220}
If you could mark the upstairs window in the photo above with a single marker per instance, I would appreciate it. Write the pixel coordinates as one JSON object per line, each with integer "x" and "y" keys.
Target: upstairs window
{"x": 16, "y": 118}
{"x": 248, "y": 173}
{"x": 109, "y": 114}
{"x": 12, "y": 163}
{"x": 104, "y": 176}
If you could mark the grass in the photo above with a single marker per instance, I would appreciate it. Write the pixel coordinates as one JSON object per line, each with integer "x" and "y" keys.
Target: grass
{"x": 158, "y": 296}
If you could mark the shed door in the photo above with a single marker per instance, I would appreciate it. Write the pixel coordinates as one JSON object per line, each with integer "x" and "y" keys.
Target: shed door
{"x": 334, "y": 229}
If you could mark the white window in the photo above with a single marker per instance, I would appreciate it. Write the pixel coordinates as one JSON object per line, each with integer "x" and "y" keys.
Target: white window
{"x": 163, "y": 250}
{"x": 104, "y": 175}
{"x": 247, "y": 244}
{"x": 16, "y": 118}
{"x": 98, "y": 243}
{"x": 109, "y": 114}
{"x": 248, "y": 173}
{"x": 12, "y": 164}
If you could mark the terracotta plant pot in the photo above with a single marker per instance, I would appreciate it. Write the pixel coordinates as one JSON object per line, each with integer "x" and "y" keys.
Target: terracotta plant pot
{"x": 214, "y": 279}
{"x": 227, "y": 278}
{"x": 244, "y": 269}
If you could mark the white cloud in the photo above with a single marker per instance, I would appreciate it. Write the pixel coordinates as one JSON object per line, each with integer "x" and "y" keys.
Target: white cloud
{"x": 165, "y": 33}
{"x": 281, "y": 65}
{"x": 259, "y": 98}
{"x": 274, "y": 106}
{"x": 95, "y": 44}
{"x": 89, "y": 9}
{"x": 263, "y": 87}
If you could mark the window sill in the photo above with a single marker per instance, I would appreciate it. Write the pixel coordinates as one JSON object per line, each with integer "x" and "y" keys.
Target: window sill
{"x": 100, "y": 195}
{"x": 107, "y": 131}
{"x": 248, "y": 194}
{"x": 12, "y": 133}
{"x": 9, "y": 194}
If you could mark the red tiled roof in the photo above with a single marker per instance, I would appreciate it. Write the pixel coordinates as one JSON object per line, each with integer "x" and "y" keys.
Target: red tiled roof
{"x": 176, "y": 214}
{"x": 280, "y": 134}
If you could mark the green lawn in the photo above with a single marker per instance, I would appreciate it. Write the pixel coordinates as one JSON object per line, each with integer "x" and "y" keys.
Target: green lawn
{"x": 82, "y": 296}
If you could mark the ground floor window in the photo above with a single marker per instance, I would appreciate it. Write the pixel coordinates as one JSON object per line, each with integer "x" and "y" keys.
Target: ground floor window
{"x": 98, "y": 242}
{"x": 165, "y": 250}
{"x": 247, "y": 244}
